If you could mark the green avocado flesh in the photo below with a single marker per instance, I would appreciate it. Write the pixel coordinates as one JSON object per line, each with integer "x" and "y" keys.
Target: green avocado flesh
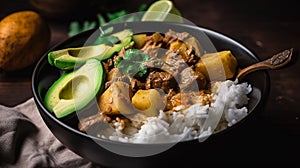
{"x": 69, "y": 58}
{"x": 74, "y": 90}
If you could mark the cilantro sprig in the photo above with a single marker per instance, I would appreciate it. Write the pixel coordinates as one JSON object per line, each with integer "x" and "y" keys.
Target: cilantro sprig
{"x": 136, "y": 63}
{"x": 132, "y": 63}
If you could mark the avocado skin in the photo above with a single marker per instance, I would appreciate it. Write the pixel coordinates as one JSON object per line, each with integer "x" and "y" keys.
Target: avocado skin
{"x": 63, "y": 99}
{"x": 63, "y": 60}
{"x": 63, "y": 64}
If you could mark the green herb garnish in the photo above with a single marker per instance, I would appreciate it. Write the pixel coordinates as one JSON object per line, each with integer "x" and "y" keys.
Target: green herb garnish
{"x": 136, "y": 63}
{"x": 132, "y": 63}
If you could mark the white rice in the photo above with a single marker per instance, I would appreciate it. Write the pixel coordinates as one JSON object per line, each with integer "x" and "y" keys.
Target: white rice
{"x": 195, "y": 122}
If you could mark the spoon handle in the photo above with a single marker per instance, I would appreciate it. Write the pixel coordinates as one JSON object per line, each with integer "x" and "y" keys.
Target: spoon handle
{"x": 277, "y": 61}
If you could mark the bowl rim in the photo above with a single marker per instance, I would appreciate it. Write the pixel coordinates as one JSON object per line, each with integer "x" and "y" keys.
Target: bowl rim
{"x": 40, "y": 104}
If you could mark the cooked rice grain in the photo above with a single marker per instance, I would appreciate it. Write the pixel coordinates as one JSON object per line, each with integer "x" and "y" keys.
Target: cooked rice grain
{"x": 197, "y": 121}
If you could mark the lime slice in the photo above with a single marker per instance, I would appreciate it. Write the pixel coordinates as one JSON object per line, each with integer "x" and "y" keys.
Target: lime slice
{"x": 162, "y": 10}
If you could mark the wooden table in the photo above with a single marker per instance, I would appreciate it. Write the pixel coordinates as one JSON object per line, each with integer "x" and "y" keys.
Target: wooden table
{"x": 265, "y": 27}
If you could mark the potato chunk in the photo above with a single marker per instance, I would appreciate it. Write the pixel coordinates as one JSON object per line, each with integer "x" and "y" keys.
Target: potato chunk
{"x": 139, "y": 40}
{"x": 116, "y": 99}
{"x": 149, "y": 101}
{"x": 217, "y": 66}
{"x": 194, "y": 43}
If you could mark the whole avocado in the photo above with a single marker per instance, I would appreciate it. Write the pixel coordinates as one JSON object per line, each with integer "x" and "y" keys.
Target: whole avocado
{"x": 24, "y": 37}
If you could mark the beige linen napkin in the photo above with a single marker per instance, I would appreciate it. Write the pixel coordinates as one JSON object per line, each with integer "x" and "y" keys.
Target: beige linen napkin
{"x": 25, "y": 141}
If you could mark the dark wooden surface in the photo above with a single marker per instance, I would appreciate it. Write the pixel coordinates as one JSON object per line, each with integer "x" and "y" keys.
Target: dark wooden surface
{"x": 265, "y": 27}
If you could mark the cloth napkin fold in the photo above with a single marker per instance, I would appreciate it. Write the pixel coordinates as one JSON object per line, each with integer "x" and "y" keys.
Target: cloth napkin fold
{"x": 25, "y": 141}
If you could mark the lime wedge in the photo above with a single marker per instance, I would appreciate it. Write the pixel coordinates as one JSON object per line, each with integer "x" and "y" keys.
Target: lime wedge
{"x": 162, "y": 10}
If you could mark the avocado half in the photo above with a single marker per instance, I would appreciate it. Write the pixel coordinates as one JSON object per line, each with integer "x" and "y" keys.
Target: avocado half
{"x": 74, "y": 90}
{"x": 69, "y": 58}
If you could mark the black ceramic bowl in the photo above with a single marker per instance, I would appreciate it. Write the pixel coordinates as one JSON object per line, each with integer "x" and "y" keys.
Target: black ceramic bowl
{"x": 186, "y": 153}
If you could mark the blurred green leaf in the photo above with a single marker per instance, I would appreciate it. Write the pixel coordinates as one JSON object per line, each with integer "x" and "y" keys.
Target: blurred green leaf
{"x": 115, "y": 15}
{"x": 77, "y": 27}
{"x": 143, "y": 7}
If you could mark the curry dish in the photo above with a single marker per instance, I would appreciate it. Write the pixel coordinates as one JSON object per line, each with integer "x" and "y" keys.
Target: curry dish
{"x": 161, "y": 72}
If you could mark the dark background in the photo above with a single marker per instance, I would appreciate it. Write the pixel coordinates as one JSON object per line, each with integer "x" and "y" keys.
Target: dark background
{"x": 265, "y": 27}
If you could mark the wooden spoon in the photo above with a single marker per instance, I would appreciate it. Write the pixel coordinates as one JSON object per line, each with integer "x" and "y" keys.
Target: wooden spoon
{"x": 277, "y": 61}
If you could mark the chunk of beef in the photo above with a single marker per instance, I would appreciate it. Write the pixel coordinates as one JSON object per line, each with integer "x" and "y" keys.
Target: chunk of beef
{"x": 174, "y": 64}
{"x": 162, "y": 80}
{"x": 192, "y": 80}
{"x": 88, "y": 122}
{"x": 185, "y": 51}
{"x": 136, "y": 85}
{"x": 172, "y": 36}
{"x": 169, "y": 104}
